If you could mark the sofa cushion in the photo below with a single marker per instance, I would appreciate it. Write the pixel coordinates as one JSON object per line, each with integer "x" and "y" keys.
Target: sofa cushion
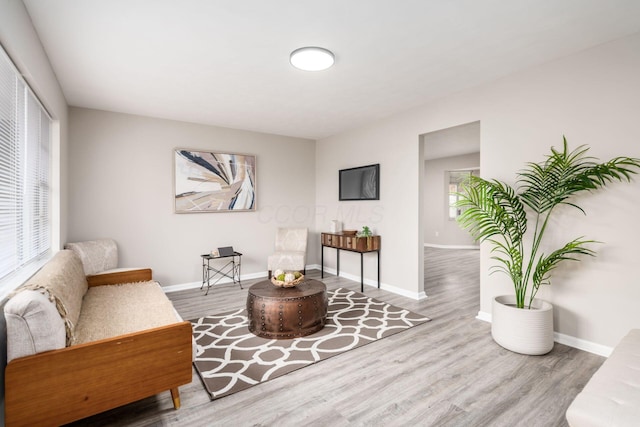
{"x": 63, "y": 279}
{"x": 113, "y": 310}
{"x": 96, "y": 255}
{"x": 33, "y": 325}
{"x": 612, "y": 395}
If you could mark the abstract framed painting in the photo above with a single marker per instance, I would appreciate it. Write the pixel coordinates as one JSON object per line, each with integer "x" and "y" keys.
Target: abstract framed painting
{"x": 208, "y": 181}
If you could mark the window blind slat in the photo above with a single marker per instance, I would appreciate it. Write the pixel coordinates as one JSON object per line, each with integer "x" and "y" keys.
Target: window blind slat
{"x": 25, "y": 224}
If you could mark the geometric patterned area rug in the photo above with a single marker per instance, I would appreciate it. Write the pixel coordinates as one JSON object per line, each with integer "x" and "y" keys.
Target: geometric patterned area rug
{"x": 229, "y": 358}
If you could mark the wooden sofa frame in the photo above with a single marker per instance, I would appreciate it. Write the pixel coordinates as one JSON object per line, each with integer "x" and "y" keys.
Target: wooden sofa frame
{"x": 60, "y": 386}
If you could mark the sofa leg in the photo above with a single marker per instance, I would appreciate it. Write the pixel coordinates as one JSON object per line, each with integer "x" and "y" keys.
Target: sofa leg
{"x": 175, "y": 395}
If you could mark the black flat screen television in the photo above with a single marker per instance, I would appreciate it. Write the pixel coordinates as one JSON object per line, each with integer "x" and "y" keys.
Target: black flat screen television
{"x": 361, "y": 183}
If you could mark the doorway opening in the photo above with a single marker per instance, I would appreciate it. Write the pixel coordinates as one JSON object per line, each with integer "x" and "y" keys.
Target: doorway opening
{"x": 451, "y": 256}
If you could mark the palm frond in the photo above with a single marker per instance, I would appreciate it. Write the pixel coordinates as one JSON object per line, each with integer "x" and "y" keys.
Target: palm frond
{"x": 566, "y": 173}
{"x": 546, "y": 264}
{"x": 494, "y": 212}
{"x": 491, "y": 208}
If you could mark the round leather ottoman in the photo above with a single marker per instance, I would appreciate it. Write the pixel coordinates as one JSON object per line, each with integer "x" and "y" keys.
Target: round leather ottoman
{"x": 285, "y": 313}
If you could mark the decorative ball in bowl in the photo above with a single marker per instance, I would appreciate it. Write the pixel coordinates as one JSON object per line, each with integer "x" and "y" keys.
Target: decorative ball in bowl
{"x": 286, "y": 279}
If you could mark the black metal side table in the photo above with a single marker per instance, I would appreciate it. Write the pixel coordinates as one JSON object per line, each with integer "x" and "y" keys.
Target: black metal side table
{"x": 212, "y": 275}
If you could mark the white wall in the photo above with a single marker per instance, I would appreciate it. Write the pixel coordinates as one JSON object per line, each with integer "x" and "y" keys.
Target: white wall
{"x": 592, "y": 98}
{"x": 121, "y": 173}
{"x": 438, "y": 228}
{"x": 387, "y": 216}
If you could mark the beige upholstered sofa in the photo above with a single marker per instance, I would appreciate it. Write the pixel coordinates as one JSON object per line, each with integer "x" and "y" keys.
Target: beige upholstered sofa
{"x": 77, "y": 347}
{"x": 612, "y": 395}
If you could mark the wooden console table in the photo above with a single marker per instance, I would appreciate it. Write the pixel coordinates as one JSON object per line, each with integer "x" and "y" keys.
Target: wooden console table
{"x": 361, "y": 245}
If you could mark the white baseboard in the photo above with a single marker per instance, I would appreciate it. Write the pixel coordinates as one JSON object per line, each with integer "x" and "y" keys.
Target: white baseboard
{"x": 433, "y": 245}
{"x": 485, "y": 317}
{"x": 591, "y": 347}
{"x": 580, "y": 344}
{"x": 374, "y": 283}
{"x": 223, "y": 281}
{"x": 181, "y": 287}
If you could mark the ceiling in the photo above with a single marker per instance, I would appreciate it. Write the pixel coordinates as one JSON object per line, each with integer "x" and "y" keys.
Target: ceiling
{"x": 226, "y": 63}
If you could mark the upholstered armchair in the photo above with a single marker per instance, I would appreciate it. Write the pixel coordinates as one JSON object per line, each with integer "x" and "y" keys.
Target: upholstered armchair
{"x": 290, "y": 250}
{"x": 100, "y": 258}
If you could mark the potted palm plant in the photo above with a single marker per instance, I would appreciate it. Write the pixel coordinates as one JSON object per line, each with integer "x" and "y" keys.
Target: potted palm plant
{"x": 497, "y": 213}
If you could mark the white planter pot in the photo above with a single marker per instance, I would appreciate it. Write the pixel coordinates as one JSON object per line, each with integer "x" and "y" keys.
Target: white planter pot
{"x": 522, "y": 330}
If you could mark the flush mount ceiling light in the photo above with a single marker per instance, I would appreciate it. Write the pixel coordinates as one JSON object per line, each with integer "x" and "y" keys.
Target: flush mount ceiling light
{"x": 312, "y": 58}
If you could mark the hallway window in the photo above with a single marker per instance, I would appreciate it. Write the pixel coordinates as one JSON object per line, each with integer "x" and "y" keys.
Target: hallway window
{"x": 455, "y": 180}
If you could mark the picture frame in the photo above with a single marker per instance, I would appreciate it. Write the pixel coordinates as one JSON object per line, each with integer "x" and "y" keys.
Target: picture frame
{"x": 212, "y": 181}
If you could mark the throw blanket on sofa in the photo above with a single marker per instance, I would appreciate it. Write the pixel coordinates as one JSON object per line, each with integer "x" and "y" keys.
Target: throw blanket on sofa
{"x": 63, "y": 281}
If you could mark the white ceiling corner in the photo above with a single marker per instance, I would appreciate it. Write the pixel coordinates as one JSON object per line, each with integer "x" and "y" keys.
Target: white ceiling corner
{"x": 226, "y": 63}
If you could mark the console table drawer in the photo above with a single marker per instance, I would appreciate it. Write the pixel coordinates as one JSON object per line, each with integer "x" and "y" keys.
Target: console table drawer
{"x": 353, "y": 243}
{"x": 330, "y": 239}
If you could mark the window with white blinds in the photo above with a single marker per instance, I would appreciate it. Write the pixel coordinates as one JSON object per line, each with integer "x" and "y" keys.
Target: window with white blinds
{"x": 25, "y": 214}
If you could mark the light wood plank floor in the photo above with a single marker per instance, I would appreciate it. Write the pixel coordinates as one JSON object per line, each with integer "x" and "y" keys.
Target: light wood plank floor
{"x": 447, "y": 372}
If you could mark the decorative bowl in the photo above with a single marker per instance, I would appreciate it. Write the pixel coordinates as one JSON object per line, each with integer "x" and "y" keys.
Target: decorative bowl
{"x": 349, "y": 232}
{"x": 283, "y": 284}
